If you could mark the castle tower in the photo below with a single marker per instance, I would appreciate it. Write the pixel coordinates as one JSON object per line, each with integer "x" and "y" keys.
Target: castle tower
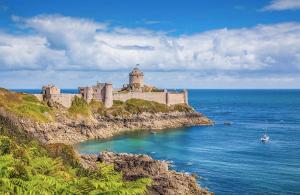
{"x": 49, "y": 90}
{"x": 136, "y": 78}
{"x": 108, "y": 95}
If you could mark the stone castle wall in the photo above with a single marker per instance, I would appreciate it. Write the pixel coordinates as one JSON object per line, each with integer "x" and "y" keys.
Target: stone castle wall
{"x": 168, "y": 98}
{"x": 64, "y": 99}
{"x": 175, "y": 98}
{"x": 159, "y": 97}
{"x": 40, "y": 97}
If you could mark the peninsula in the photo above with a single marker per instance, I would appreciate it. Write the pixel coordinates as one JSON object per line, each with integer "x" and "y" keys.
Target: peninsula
{"x": 57, "y": 120}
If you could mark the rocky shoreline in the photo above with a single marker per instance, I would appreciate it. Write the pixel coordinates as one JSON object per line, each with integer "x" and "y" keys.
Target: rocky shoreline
{"x": 70, "y": 131}
{"x": 133, "y": 167}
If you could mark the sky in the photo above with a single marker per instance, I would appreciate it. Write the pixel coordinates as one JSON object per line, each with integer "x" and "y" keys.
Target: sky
{"x": 215, "y": 44}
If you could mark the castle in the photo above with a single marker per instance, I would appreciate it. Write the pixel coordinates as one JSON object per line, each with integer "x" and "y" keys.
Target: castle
{"x": 104, "y": 93}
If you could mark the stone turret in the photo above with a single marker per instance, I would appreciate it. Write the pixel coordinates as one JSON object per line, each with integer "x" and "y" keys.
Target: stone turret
{"x": 108, "y": 96}
{"x": 136, "y": 79}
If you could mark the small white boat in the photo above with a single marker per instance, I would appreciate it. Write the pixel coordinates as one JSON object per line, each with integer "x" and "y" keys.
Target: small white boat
{"x": 265, "y": 138}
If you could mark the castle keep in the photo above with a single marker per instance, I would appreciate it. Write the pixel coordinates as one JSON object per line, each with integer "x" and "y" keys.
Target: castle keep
{"x": 104, "y": 93}
{"x": 136, "y": 80}
{"x": 101, "y": 92}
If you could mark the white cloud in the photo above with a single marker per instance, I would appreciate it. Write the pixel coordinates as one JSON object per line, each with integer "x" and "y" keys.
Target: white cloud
{"x": 279, "y": 5}
{"x": 59, "y": 43}
{"x": 28, "y": 52}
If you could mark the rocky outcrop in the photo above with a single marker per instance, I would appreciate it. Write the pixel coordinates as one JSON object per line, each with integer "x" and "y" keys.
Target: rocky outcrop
{"x": 165, "y": 181}
{"x": 69, "y": 131}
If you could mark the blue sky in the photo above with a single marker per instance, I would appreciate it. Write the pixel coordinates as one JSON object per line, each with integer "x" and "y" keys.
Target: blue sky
{"x": 179, "y": 44}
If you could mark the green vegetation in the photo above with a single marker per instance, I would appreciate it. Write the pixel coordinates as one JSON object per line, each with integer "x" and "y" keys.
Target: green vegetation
{"x": 25, "y": 105}
{"x": 137, "y": 106}
{"x": 133, "y": 106}
{"x": 97, "y": 107}
{"x": 79, "y": 107}
{"x": 28, "y": 167}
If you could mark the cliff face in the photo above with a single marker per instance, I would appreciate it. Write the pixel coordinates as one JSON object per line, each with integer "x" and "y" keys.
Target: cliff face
{"x": 165, "y": 181}
{"x": 70, "y": 131}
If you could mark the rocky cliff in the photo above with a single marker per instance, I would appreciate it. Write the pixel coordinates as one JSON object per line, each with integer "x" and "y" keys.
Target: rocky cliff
{"x": 165, "y": 181}
{"x": 69, "y": 131}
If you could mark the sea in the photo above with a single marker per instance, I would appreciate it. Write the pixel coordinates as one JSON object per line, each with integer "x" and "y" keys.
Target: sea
{"x": 229, "y": 159}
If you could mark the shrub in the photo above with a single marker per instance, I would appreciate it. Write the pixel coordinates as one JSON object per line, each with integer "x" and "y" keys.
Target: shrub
{"x": 65, "y": 152}
{"x": 181, "y": 108}
{"x": 97, "y": 107}
{"x": 5, "y": 145}
{"x": 135, "y": 106}
{"x": 79, "y": 107}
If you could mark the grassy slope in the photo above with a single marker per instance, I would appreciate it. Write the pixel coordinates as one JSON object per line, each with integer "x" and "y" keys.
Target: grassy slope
{"x": 25, "y": 105}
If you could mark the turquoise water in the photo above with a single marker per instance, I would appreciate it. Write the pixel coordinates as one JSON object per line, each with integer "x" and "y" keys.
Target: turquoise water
{"x": 230, "y": 159}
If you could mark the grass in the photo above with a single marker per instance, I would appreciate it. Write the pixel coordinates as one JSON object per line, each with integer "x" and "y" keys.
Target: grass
{"x": 79, "y": 107}
{"x": 25, "y": 105}
{"x": 137, "y": 106}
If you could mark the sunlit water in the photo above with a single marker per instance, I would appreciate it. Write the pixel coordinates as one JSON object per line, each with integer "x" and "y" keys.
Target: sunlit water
{"x": 230, "y": 159}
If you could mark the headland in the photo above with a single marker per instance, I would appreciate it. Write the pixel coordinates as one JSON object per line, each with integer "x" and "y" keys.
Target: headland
{"x": 99, "y": 112}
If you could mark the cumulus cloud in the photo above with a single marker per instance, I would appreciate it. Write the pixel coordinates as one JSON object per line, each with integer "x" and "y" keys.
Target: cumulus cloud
{"x": 279, "y": 5}
{"x": 60, "y": 43}
{"x": 28, "y": 53}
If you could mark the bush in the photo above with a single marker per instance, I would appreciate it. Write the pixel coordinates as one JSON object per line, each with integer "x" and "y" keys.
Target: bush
{"x": 5, "y": 145}
{"x": 181, "y": 108}
{"x": 79, "y": 107}
{"x": 97, "y": 107}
